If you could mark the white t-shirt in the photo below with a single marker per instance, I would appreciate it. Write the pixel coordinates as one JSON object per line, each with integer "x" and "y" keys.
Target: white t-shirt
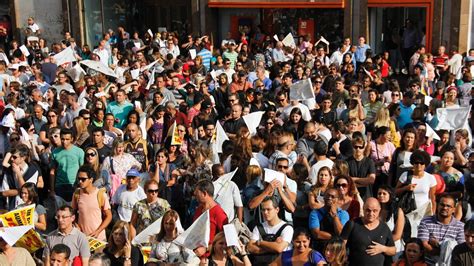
{"x": 222, "y": 195}
{"x": 313, "y": 172}
{"x": 422, "y": 189}
{"x": 126, "y": 200}
{"x": 286, "y": 234}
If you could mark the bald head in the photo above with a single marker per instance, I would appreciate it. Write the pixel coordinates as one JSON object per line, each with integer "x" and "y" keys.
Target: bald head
{"x": 371, "y": 211}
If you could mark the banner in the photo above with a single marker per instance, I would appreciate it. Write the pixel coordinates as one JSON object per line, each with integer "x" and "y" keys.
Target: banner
{"x": 144, "y": 236}
{"x": 146, "y": 251}
{"x": 12, "y": 234}
{"x": 31, "y": 240}
{"x": 301, "y": 90}
{"x": 219, "y": 137}
{"x": 95, "y": 243}
{"x": 197, "y": 235}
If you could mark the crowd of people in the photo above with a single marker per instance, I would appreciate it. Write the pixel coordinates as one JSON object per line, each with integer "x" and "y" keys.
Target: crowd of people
{"x": 365, "y": 171}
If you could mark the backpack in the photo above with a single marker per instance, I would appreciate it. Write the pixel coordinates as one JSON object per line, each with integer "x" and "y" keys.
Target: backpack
{"x": 100, "y": 196}
{"x": 267, "y": 258}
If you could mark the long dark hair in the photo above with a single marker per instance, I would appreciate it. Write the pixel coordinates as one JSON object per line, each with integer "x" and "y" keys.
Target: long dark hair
{"x": 420, "y": 244}
{"x": 391, "y": 206}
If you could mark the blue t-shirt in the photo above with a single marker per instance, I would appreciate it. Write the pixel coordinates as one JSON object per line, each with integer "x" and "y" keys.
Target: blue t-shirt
{"x": 316, "y": 216}
{"x": 316, "y": 257}
{"x": 405, "y": 115}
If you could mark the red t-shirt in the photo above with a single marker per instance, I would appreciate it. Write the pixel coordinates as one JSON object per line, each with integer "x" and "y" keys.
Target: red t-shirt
{"x": 217, "y": 217}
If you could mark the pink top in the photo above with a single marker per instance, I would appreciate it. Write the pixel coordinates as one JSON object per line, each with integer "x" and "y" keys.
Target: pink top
{"x": 378, "y": 153}
{"x": 90, "y": 213}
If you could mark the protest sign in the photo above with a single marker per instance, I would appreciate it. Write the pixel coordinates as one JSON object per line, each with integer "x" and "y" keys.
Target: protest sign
{"x": 147, "y": 233}
{"x": 31, "y": 240}
{"x": 95, "y": 243}
{"x": 24, "y": 51}
{"x": 231, "y": 236}
{"x": 11, "y": 235}
{"x": 452, "y": 118}
{"x": 173, "y": 133}
{"x": 219, "y": 137}
{"x": 270, "y": 175}
{"x": 252, "y": 121}
{"x": 65, "y": 56}
{"x": 192, "y": 53}
{"x": 289, "y": 41}
{"x": 197, "y": 235}
{"x": 301, "y": 90}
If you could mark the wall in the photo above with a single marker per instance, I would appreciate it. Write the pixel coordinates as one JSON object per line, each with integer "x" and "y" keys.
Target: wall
{"x": 48, "y": 15}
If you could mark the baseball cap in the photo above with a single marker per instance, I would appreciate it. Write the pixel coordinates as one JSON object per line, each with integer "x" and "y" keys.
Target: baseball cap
{"x": 133, "y": 172}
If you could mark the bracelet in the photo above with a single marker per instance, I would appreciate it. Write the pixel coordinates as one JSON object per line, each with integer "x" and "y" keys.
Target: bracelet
{"x": 243, "y": 255}
{"x": 126, "y": 258}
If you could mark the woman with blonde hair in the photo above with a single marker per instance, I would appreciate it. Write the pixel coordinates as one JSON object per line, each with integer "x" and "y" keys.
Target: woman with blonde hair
{"x": 324, "y": 181}
{"x": 335, "y": 252}
{"x": 82, "y": 134}
{"x": 222, "y": 255}
{"x": 165, "y": 250}
{"x": 383, "y": 119}
{"x": 253, "y": 187}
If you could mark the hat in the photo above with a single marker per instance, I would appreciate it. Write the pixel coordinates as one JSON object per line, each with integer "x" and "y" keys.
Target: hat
{"x": 133, "y": 172}
{"x": 450, "y": 88}
{"x": 440, "y": 85}
{"x": 186, "y": 67}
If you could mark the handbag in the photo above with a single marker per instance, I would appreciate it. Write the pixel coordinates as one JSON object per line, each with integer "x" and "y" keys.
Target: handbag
{"x": 115, "y": 180}
{"x": 407, "y": 200}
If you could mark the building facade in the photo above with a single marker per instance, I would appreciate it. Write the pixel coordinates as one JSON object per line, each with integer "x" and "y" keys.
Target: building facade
{"x": 439, "y": 22}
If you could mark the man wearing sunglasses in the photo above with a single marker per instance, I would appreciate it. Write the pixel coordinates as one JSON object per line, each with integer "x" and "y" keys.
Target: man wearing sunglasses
{"x": 91, "y": 205}
{"x": 361, "y": 168}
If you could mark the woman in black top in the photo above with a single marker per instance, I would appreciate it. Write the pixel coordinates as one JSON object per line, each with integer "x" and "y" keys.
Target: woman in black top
{"x": 119, "y": 249}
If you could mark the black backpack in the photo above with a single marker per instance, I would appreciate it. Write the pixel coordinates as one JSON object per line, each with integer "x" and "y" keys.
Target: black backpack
{"x": 267, "y": 258}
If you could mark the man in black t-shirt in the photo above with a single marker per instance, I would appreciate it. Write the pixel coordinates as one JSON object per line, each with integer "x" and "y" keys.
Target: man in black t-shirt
{"x": 463, "y": 254}
{"x": 369, "y": 240}
{"x": 361, "y": 168}
{"x": 98, "y": 143}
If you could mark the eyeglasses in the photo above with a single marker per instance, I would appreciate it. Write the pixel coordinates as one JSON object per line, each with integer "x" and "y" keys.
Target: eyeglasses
{"x": 282, "y": 166}
{"x": 92, "y": 154}
{"x": 152, "y": 191}
{"x": 82, "y": 179}
{"x": 342, "y": 185}
{"x": 358, "y": 147}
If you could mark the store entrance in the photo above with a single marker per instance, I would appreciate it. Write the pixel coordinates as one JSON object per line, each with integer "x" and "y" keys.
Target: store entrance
{"x": 394, "y": 29}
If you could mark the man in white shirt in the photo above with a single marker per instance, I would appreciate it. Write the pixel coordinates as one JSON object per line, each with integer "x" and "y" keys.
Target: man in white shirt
{"x": 227, "y": 194}
{"x": 259, "y": 244}
{"x": 102, "y": 52}
{"x": 127, "y": 195}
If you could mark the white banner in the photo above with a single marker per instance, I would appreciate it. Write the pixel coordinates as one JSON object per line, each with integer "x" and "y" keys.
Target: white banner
{"x": 197, "y": 235}
{"x": 301, "y": 90}
{"x": 252, "y": 121}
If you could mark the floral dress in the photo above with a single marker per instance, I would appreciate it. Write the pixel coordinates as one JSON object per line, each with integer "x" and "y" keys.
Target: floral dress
{"x": 148, "y": 213}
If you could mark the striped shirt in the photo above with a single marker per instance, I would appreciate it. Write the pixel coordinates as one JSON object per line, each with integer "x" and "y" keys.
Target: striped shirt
{"x": 430, "y": 227}
{"x": 206, "y": 58}
{"x": 232, "y": 56}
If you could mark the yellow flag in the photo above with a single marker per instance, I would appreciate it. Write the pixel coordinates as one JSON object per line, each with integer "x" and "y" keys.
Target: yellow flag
{"x": 146, "y": 250}
{"x": 173, "y": 133}
{"x": 95, "y": 243}
{"x": 31, "y": 240}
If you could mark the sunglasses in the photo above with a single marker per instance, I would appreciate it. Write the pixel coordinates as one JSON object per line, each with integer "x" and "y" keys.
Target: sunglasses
{"x": 358, "y": 147}
{"x": 152, "y": 191}
{"x": 86, "y": 117}
{"x": 14, "y": 139}
{"x": 343, "y": 185}
{"x": 82, "y": 179}
{"x": 92, "y": 154}
{"x": 395, "y": 94}
{"x": 282, "y": 166}
{"x": 14, "y": 157}
{"x": 318, "y": 81}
